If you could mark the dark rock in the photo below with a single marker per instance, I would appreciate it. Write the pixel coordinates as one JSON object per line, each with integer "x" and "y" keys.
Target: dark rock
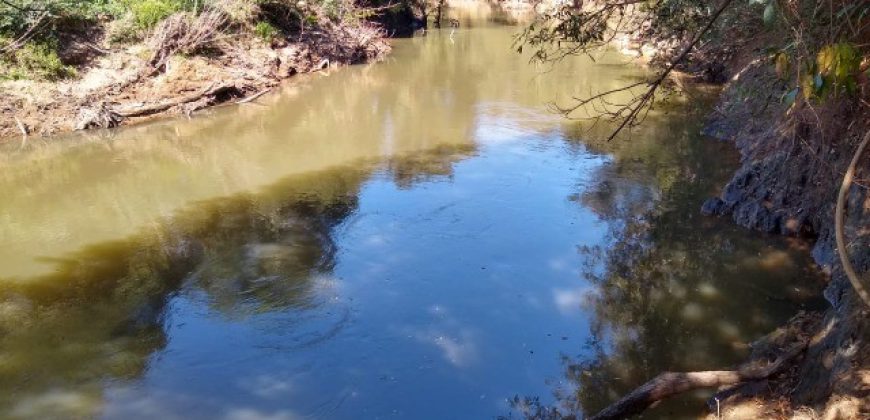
{"x": 403, "y": 20}
{"x": 715, "y": 72}
{"x": 713, "y": 206}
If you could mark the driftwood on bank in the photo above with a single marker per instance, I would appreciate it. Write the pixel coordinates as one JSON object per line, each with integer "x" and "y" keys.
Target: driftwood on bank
{"x": 669, "y": 384}
{"x": 21, "y": 127}
{"x": 210, "y": 91}
{"x": 104, "y": 116}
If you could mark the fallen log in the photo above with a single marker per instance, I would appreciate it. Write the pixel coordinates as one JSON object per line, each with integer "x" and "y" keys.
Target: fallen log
{"x": 669, "y": 384}
{"x": 146, "y": 110}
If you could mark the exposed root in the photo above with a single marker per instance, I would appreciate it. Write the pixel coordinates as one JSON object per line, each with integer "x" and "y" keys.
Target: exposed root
{"x": 100, "y": 116}
{"x": 838, "y": 224}
{"x": 354, "y": 43}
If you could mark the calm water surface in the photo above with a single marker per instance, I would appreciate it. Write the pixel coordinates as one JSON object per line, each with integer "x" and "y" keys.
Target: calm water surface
{"x": 419, "y": 238}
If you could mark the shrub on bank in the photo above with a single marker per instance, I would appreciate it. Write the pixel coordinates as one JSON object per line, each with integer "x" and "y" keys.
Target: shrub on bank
{"x": 36, "y": 61}
{"x": 148, "y": 13}
{"x": 266, "y": 31}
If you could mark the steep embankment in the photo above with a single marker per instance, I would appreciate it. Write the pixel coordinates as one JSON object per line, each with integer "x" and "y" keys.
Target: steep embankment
{"x": 793, "y": 162}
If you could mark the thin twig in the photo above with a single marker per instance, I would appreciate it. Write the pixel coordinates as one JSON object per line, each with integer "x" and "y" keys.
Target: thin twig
{"x": 254, "y": 96}
{"x": 18, "y": 43}
{"x": 653, "y": 86}
{"x": 22, "y": 127}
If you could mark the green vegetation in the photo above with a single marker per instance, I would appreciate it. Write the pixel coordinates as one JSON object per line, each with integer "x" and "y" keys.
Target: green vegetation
{"x": 816, "y": 48}
{"x": 266, "y": 31}
{"x": 148, "y": 13}
{"x": 38, "y": 60}
{"x": 35, "y": 33}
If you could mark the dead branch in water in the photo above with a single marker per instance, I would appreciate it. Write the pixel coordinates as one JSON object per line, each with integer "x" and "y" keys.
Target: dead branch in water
{"x": 255, "y": 96}
{"x": 104, "y": 116}
{"x": 838, "y": 223}
{"x": 669, "y": 384}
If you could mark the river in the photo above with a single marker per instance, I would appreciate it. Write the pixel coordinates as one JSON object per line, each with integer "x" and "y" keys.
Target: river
{"x": 418, "y": 238}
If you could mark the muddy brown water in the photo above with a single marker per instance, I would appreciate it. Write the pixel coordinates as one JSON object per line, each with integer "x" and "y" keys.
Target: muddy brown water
{"x": 419, "y": 238}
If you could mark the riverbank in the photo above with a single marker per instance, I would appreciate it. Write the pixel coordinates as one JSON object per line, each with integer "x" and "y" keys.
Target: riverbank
{"x": 792, "y": 164}
{"x": 793, "y": 160}
{"x": 184, "y": 64}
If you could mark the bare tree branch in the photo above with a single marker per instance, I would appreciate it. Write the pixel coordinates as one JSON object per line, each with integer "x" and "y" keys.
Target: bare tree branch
{"x": 18, "y": 43}
{"x": 646, "y": 99}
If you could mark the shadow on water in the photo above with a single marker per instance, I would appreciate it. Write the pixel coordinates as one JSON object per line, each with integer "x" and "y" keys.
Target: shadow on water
{"x": 100, "y": 316}
{"x": 674, "y": 290}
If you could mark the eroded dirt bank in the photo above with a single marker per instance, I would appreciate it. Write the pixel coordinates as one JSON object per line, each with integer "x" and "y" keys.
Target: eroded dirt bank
{"x": 127, "y": 84}
{"x": 793, "y": 162}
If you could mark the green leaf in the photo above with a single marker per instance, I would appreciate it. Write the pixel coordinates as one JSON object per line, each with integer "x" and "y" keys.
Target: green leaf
{"x": 782, "y": 65}
{"x": 769, "y": 13}
{"x": 806, "y": 85}
{"x": 851, "y": 85}
{"x": 790, "y": 97}
{"x": 818, "y": 82}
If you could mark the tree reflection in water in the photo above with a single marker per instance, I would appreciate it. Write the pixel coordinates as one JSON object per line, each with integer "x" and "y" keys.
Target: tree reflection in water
{"x": 674, "y": 290}
{"x": 101, "y": 314}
